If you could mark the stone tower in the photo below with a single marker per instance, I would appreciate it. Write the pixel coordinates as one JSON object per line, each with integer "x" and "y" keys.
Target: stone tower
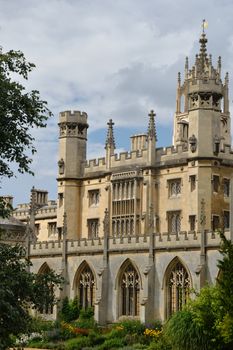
{"x": 203, "y": 122}
{"x": 72, "y": 157}
{"x": 202, "y": 128}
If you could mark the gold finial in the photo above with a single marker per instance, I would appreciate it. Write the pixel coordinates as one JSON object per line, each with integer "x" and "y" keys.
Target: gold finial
{"x": 204, "y": 25}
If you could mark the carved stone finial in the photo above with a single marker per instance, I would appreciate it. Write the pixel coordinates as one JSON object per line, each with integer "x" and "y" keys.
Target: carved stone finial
{"x": 151, "y": 127}
{"x": 110, "y": 141}
{"x": 227, "y": 78}
{"x": 179, "y": 78}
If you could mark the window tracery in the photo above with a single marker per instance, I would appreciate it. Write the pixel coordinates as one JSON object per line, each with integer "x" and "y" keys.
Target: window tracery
{"x": 178, "y": 288}
{"x": 129, "y": 291}
{"x": 86, "y": 288}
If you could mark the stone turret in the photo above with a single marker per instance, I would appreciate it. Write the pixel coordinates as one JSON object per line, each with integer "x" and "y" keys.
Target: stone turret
{"x": 202, "y": 123}
{"x": 72, "y": 157}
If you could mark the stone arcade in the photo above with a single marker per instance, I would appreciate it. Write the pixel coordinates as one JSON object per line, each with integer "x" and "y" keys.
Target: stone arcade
{"x": 132, "y": 233}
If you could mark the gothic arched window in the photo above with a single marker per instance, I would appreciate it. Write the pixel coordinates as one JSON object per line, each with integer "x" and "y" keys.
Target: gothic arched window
{"x": 178, "y": 288}
{"x": 86, "y": 287}
{"x": 129, "y": 291}
{"x": 47, "y": 307}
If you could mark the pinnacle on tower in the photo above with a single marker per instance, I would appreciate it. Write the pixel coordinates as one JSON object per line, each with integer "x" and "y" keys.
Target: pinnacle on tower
{"x": 151, "y": 126}
{"x": 110, "y": 141}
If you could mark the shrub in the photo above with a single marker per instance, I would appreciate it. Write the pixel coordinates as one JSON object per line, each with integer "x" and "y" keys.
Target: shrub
{"x": 77, "y": 343}
{"x": 183, "y": 332}
{"x": 96, "y": 338}
{"x": 133, "y": 326}
{"x": 112, "y": 344}
{"x": 70, "y": 310}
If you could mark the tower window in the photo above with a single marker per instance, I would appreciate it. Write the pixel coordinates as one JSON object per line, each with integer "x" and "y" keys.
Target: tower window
{"x": 226, "y": 187}
{"x": 192, "y": 180}
{"x": 94, "y": 198}
{"x": 60, "y": 199}
{"x": 192, "y": 222}
{"x": 226, "y": 218}
{"x": 215, "y": 222}
{"x": 93, "y": 228}
{"x": 216, "y": 183}
{"x": 174, "y": 187}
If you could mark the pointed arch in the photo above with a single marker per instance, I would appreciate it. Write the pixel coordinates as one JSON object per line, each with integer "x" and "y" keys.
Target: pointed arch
{"x": 84, "y": 285}
{"x": 46, "y": 308}
{"x": 128, "y": 283}
{"x": 177, "y": 283}
{"x": 44, "y": 269}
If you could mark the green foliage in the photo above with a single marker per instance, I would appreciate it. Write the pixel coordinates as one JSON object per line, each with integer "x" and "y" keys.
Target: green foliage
{"x": 112, "y": 344}
{"x": 77, "y": 343}
{"x": 96, "y": 338}
{"x": 86, "y": 319}
{"x": 70, "y": 309}
{"x": 5, "y": 208}
{"x": 184, "y": 332}
{"x": 225, "y": 280}
{"x": 132, "y": 327}
{"x": 86, "y": 314}
{"x": 19, "y": 112}
{"x": 19, "y": 290}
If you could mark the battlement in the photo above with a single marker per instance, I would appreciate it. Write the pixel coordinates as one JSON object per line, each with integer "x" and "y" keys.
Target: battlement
{"x": 168, "y": 152}
{"x": 73, "y": 116}
{"x": 161, "y": 241}
{"x": 98, "y": 162}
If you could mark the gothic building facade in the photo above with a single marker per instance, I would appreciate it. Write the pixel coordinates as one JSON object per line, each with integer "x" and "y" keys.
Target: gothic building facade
{"x": 134, "y": 233}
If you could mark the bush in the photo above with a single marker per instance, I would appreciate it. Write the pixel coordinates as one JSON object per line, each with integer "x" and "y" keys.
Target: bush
{"x": 133, "y": 326}
{"x": 112, "y": 344}
{"x": 183, "y": 332}
{"x": 86, "y": 319}
{"x": 70, "y": 309}
{"x": 77, "y": 343}
{"x": 96, "y": 338}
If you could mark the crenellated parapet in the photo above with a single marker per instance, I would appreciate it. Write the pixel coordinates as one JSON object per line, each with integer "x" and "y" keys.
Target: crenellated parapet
{"x": 73, "y": 124}
{"x": 162, "y": 242}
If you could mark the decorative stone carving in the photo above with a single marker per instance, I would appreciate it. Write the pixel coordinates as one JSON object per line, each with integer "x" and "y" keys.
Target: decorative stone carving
{"x": 61, "y": 166}
{"x": 193, "y": 143}
{"x": 216, "y": 144}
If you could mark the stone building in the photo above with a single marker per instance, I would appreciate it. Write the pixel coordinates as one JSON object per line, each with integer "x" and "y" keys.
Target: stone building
{"x": 133, "y": 233}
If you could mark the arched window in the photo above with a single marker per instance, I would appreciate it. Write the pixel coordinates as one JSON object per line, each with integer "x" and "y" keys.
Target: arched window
{"x": 46, "y": 308}
{"x": 86, "y": 287}
{"x": 129, "y": 291}
{"x": 178, "y": 288}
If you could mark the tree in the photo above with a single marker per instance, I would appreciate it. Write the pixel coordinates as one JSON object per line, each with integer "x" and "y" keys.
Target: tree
{"x": 207, "y": 321}
{"x": 20, "y": 111}
{"x": 225, "y": 286}
{"x": 21, "y": 290}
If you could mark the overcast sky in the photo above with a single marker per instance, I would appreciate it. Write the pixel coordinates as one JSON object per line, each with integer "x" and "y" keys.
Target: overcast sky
{"x": 111, "y": 58}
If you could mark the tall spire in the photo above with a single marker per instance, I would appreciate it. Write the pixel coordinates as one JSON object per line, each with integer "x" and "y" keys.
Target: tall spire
{"x": 110, "y": 141}
{"x": 151, "y": 127}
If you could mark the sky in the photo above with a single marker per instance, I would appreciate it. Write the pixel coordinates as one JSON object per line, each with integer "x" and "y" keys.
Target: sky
{"x": 112, "y": 59}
